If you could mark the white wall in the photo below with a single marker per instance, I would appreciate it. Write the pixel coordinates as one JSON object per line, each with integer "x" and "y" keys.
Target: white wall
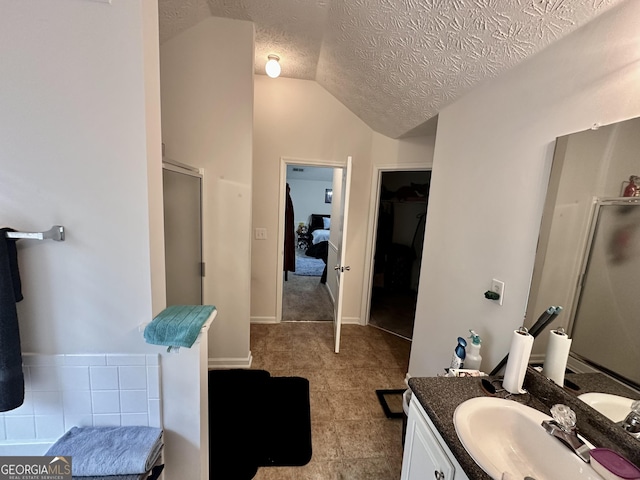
{"x": 207, "y": 116}
{"x": 80, "y": 146}
{"x": 151, "y": 68}
{"x": 299, "y": 119}
{"x": 413, "y": 152}
{"x": 308, "y": 198}
{"x": 75, "y": 149}
{"x": 624, "y": 158}
{"x": 495, "y": 145}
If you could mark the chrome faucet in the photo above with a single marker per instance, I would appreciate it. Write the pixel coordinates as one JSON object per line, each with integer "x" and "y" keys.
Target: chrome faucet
{"x": 563, "y": 427}
{"x": 632, "y": 423}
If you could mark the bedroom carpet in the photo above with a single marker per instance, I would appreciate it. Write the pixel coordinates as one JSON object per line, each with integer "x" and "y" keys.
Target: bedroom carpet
{"x": 306, "y": 299}
{"x": 308, "y": 266}
{"x": 256, "y": 420}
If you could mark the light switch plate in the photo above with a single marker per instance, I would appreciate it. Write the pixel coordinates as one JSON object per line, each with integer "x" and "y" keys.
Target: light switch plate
{"x": 261, "y": 233}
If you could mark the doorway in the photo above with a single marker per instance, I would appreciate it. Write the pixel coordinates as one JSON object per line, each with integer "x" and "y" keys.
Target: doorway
{"x": 304, "y": 293}
{"x": 182, "y": 191}
{"x": 338, "y": 168}
{"x": 399, "y": 235}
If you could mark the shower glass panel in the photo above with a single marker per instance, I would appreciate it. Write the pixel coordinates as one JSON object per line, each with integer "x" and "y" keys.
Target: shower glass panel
{"x": 606, "y": 326}
{"x": 183, "y": 237}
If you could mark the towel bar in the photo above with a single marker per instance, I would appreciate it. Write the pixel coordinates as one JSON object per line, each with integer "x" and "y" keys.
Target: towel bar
{"x": 54, "y": 233}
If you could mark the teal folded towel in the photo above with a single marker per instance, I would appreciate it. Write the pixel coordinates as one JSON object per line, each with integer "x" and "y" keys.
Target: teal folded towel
{"x": 178, "y": 325}
{"x": 97, "y": 451}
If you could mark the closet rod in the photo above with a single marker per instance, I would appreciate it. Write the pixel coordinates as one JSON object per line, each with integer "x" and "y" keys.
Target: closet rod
{"x": 54, "y": 233}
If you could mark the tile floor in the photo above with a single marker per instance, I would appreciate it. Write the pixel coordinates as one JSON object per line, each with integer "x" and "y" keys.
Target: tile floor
{"x": 351, "y": 437}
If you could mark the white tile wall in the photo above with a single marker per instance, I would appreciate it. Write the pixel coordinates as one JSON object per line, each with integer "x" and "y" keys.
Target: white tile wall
{"x": 62, "y": 391}
{"x": 104, "y": 378}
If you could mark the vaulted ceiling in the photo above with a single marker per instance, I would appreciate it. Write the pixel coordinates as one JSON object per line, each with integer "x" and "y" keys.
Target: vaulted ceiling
{"x": 394, "y": 63}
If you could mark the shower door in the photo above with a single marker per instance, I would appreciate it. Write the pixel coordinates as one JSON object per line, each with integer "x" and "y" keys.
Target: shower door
{"x": 606, "y": 326}
{"x": 183, "y": 234}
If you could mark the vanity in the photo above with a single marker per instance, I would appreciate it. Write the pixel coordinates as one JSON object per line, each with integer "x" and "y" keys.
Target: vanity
{"x": 434, "y": 451}
{"x": 588, "y": 261}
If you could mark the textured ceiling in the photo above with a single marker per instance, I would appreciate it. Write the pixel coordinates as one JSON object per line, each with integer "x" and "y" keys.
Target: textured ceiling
{"x": 394, "y": 63}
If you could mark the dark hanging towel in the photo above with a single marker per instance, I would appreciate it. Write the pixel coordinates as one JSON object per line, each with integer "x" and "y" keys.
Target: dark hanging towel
{"x": 11, "y": 376}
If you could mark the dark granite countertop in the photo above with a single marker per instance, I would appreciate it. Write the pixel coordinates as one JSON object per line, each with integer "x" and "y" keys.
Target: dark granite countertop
{"x": 440, "y": 396}
{"x": 579, "y": 383}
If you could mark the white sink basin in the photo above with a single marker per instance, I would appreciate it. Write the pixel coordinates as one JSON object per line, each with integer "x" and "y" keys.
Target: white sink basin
{"x": 613, "y": 407}
{"x": 505, "y": 436}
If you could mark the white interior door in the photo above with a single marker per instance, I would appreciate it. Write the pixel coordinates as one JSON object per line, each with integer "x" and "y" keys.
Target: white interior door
{"x": 341, "y": 267}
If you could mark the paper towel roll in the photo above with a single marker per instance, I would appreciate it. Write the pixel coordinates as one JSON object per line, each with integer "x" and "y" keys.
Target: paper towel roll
{"x": 519, "y": 353}
{"x": 555, "y": 361}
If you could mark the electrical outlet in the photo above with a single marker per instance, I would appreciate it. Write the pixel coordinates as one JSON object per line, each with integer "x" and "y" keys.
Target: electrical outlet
{"x": 261, "y": 233}
{"x": 497, "y": 286}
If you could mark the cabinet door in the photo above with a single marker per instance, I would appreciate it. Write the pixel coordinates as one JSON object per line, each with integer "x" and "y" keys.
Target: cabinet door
{"x": 423, "y": 457}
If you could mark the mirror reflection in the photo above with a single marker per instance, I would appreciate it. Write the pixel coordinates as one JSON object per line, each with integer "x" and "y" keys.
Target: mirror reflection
{"x": 588, "y": 257}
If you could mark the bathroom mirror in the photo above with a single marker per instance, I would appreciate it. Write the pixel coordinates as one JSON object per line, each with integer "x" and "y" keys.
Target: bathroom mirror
{"x": 588, "y": 258}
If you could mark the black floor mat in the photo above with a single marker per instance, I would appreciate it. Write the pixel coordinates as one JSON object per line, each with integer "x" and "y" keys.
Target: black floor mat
{"x": 256, "y": 420}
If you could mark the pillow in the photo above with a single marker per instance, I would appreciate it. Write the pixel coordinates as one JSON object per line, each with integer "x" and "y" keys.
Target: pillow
{"x": 326, "y": 221}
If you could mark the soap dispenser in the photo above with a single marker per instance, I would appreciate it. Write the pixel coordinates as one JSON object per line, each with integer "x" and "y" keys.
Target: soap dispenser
{"x": 473, "y": 357}
{"x": 459, "y": 353}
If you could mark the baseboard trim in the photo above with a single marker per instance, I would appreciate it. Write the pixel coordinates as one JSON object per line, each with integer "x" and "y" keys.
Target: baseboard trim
{"x": 220, "y": 363}
{"x": 333, "y": 300}
{"x": 350, "y": 320}
{"x": 263, "y": 320}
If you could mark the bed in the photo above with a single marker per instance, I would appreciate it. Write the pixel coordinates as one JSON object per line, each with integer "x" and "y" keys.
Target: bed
{"x": 319, "y": 225}
{"x": 320, "y": 235}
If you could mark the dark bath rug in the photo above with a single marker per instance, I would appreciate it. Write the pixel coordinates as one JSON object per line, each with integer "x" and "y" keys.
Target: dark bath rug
{"x": 256, "y": 420}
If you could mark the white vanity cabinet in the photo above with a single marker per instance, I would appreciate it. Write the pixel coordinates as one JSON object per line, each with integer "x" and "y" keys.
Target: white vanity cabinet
{"x": 426, "y": 456}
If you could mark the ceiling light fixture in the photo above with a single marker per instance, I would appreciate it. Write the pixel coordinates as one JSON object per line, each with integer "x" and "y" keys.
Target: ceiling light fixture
{"x": 273, "y": 66}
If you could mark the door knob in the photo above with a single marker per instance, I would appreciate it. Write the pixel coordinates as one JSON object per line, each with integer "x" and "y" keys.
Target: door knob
{"x": 342, "y": 269}
{"x": 439, "y": 475}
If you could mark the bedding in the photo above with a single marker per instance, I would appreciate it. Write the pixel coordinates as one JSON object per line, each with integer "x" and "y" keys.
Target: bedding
{"x": 320, "y": 235}
{"x": 320, "y": 250}
{"x": 316, "y": 221}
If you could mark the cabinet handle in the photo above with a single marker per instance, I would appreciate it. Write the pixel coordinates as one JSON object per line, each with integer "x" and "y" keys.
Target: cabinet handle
{"x": 439, "y": 475}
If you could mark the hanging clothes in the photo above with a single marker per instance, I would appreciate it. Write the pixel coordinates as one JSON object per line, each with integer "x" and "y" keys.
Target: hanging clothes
{"x": 289, "y": 236}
